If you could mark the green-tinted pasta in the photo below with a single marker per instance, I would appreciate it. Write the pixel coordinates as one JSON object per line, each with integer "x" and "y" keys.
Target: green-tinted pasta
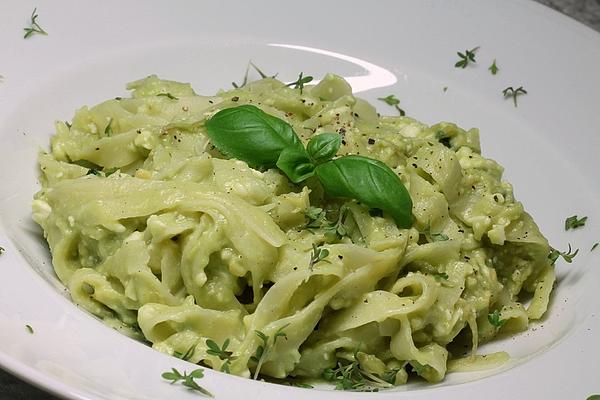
{"x": 158, "y": 234}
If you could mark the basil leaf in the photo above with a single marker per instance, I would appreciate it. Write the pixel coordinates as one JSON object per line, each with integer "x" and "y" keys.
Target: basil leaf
{"x": 249, "y": 134}
{"x": 370, "y": 182}
{"x": 295, "y": 164}
{"x": 323, "y": 147}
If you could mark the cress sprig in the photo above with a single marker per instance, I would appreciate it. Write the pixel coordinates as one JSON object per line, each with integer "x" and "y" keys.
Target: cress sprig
{"x": 301, "y": 81}
{"x": 222, "y": 353}
{"x": 187, "y": 380}
{"x": 573, "y": 222}
{"x": 566, "y": 255}
{"x": 466, "y": 58}
{"x": 262, "y": 351}
{"x": 34, "y": 27}
{"x": 392, "y": 100}
{"x": 514, "y": 93}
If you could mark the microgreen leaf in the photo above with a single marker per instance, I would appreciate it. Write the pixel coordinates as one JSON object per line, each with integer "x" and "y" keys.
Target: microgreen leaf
{"x": 221, "y": 352}
{"x": 2, "y": 249}
{"x": 440, "y": 275}
{"x": 494, "y": 68}
{"x": 465, "y": 58}
{"x": 595, "y": 246}
{"x": 108, "y": 128}
{"x": 574, "y": 222}
{"x": 300, "y": 82}
{"x": 186, "y": 356}
{"x": 29, "y": 328}
{"x": 514, "y": 93}
{"x": 280, "y": 333}
{"x": 495, "y": 320}
{"x": 318, "y": 254}
{"x": 349, "y": 375}
{"x": 317, "y": 218}
{"x": 169, "y": 95}
{"x": 369, "y": 181}
{"x": 245, "y": 80}
{"x": 262, "y": 350}
{"x": 187, "y": 380}
{"x": 567, "y": 255}
{"x": 313, "y": 214}
{"x": 391, "y": 100}
{"x": 34, "y": 27}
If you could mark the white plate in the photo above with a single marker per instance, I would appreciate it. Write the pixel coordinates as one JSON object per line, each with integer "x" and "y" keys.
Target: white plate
{"x": 550, "y": 146}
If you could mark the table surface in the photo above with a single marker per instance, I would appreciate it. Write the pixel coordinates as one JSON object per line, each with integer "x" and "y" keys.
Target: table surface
{"x": 585, "y": 11}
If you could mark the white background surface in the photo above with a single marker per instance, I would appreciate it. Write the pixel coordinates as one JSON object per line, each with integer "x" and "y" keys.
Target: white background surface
{"x": 549, "y": 145}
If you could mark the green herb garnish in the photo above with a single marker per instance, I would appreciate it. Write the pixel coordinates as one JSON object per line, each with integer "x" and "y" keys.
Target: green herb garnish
{"x": 440, "y": 275}
{"x": 371, "y": 182}
{"x": 494, "y": 319}
{"x": 494, "y": 68}
{"x": 314, "y": 215}
{"x": 514, "y": 93}
{"x": 34, "y": 27}
{"x": 169, "y": 95}
{"x": 221, "y": 352}
{"x": 108, "y": 129}
{"x": 2, "y": 249}
{"x": 317, "y": 218}
{"x": 187, "y": 355}
{"x": 264, "y": 141}
{"x": 467, "y": 57}
{"x": 245, "y": 80}
{"x": 567, "y": 256}
{"x": 391, "y": 100}
{"x": 187, "y": 380}
{"x": 595, "y": 246}
{"x": 574, "y": 222}
{"x": 299, "y": 384}
{"x": 323, "y": 147}
{"x": 348, "y": 375}
{"x": 249, "y": 134}
{"x": 318, "y": 254}
{"x": 594, "y": 397}
{"x": 300, "y": 82}
{"x": 29, "y": 328}
{"x": 263, "y": 350}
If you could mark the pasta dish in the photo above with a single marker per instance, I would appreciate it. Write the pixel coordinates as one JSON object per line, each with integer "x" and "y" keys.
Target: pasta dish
{"x": 290, "y": 232}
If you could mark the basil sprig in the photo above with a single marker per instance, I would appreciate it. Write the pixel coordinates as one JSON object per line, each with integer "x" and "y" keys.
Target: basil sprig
{"x": 369, "y": 181}
{"x": 262, "y": 140}
{"x": 250, "y": 134}
{"x": 323, "y": 147}
{"x": 296, "y": 164}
